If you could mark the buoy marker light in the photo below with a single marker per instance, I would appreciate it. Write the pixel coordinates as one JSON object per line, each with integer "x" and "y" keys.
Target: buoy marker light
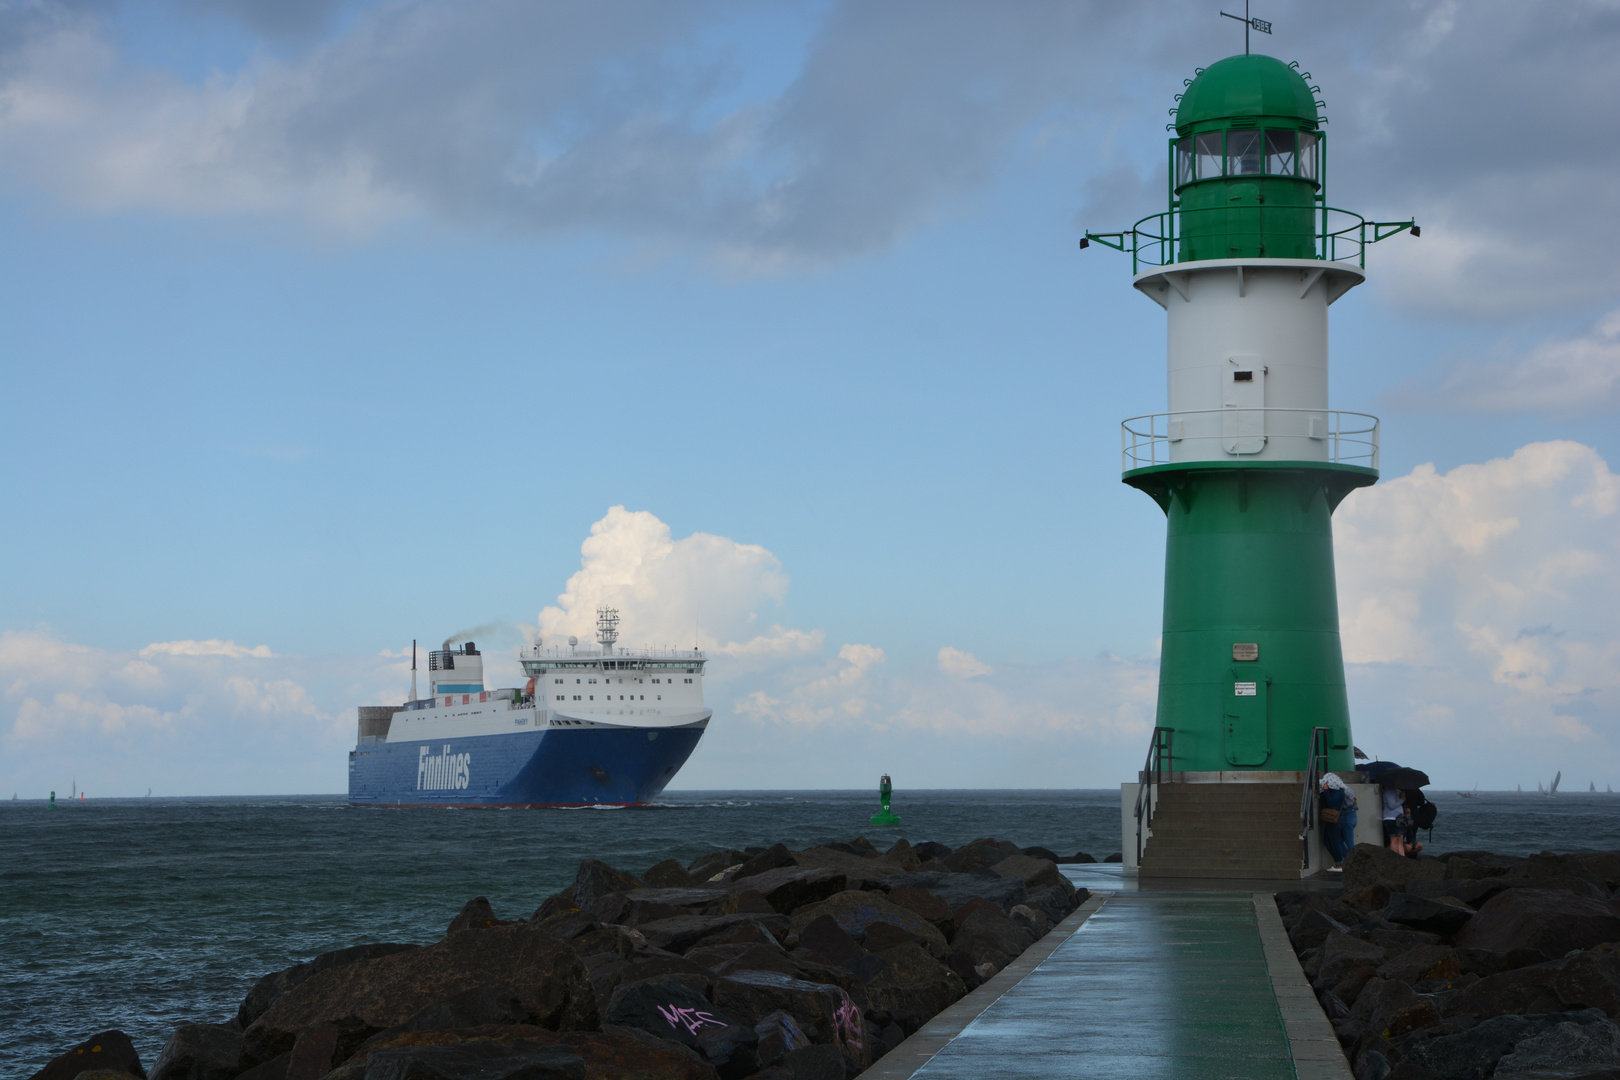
{"x": 885, "y": 816}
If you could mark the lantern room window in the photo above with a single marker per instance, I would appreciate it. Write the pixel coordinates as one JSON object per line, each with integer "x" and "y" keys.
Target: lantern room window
{"x": 1280, "y": 156}
{"x": 1184, "y": 161}
{"x": 1207, "y": 155}
{"x": 1243, "y": 153}
{"x": 1307, "y": 155}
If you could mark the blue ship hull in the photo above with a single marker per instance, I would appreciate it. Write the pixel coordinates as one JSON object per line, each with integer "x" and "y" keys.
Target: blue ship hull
{"x": 549, "y": 767}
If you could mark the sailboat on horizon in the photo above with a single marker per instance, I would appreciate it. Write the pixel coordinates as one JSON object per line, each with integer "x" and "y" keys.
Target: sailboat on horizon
{"x": 1553, "y": 790}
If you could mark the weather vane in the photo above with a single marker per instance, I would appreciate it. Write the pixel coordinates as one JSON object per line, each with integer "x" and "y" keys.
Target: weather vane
{"x": 1259, "y": 24}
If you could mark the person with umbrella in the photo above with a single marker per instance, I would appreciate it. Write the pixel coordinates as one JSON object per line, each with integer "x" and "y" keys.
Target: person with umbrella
{"x": 1338, "y": 819}
{"x": 1393, "y": 784}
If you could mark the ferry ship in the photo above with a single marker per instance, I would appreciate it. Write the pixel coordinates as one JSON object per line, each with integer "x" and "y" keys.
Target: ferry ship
{"x": 592, "y": 727}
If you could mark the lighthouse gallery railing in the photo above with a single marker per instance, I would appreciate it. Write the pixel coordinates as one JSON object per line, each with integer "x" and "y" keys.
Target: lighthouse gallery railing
{"x": 1341, "y": 235}
{"x": 1351, "y": 438}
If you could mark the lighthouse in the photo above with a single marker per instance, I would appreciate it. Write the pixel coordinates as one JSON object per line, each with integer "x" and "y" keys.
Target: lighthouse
{"x": 1248, "y": 463}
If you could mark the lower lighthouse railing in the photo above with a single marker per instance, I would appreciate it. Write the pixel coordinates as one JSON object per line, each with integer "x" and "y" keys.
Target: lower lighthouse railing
{"x": 1159, "y": 759}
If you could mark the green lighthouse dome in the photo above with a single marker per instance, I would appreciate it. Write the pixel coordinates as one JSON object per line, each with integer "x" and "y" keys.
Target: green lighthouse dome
{"x": 1252, "y": 87}
{"x": 1248, "y": 163}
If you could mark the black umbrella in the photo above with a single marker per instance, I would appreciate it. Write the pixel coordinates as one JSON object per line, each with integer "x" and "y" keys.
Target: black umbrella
{"x": 1403, "y": 778}
{"x": 1361, "y": 755}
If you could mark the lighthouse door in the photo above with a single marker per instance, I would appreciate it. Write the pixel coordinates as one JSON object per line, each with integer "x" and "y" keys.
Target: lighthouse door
{"x": 1246, "y": 716}
{"x": 1243, "y": 405}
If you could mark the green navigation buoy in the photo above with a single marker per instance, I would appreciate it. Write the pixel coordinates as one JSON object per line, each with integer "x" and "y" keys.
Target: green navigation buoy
{"x": 53, "y": 800}
{"x": 885, "y": 816}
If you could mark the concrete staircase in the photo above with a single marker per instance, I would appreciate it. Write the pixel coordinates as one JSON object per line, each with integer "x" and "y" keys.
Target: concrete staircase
{"x": 1232, "y": 830}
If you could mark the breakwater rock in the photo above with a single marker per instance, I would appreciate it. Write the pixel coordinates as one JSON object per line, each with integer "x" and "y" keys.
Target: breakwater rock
{"x": 764, "y": 962}
{"x": 1467, "y": 966}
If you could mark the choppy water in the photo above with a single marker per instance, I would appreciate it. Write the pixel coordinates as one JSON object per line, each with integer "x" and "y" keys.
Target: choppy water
{"x": 144, "y": 913}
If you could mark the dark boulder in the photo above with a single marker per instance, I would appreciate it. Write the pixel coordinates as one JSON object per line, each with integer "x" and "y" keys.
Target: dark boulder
{"x": 1368, "y": 863}
{"x": 556, "y": 904}
{"x": 881, "y": 936}
{"x": 200, "y": 1052}
{"x": 319, "y": 1048}
{"x": 855, "y": 912}
{"x": 480, "y": 1060}
{"x": 866, "y": 967}
{"x": 271, "y": 986}
{"x": 1079, "y": 858}
{"x": 753, "y": 995}
{"x": 1487, "y": 962}
{"x": 743, "y": 932}
{"x": 108, "y": 1050}
{"x": 974, "y": 856}
{"x": 789, "y": 888}
{"x": 823, "y": 1062}
{"x": 1034, "y": 922}
{"x": 773, "y": 857}
{"x": 957, "y": 889}
{"x": 1036, "y": 874}
{"x": 276, "y": 1069}
{"x": 1369, "y": 898}
{"x": 668, "y": 874}
{"x": 724, "y": 959}
{"x": 914, "y": 983}
{"x": 746, "y": 902}
{"x": 1115, "y": 857}
{"x": 931, "y": 849}
{"x": 1422, "y": 964}
{"x": 388, "y": 990}
{"x": 733, "y": 1051}
{"x": 779, "y": 1035}
{"x": 1554, "y": 922}
{"x": 1442, "y": 915}
{"x": 1568, "y": 1046}
{"x": 1392, "y": 1009}
{"x": 1349, "y": 988}
{"x": 471, "y": 1008}
{"x": 705, "y": 867}
{"x": 596, "y": 879}
{"x": 1037, "y": 852}
{"x": 652, "y": 967}
{"x": 1055, "y": 903}
{"x": 683, "y": 932}
{"x": 668, "y": 1008}
{"x": 1589, "y": 979}
{"x": 926, "y": 904}
{"x": 827, "y": 941}
{"x": 477, "y": 915}
{"x": 1313, "y": 929}
{"x": 1473, "y": 1054}
{"x": 1341, "y": 954}
{"x": 989, "y": 936}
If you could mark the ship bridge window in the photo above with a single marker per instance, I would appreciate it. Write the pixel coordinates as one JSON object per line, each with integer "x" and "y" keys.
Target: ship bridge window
{"x": 592, "y": 680}
{"x": 559, "y": 682}
{"x": 1243, "y": 153}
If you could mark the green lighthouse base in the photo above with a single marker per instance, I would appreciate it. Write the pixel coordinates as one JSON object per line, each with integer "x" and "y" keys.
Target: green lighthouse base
{"x": 1251, "y": 660}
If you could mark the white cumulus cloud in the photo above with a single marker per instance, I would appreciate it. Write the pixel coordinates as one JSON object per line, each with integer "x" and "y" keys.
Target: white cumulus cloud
{"x": 961, "y": 665}
{"x": 1476, "y": 610}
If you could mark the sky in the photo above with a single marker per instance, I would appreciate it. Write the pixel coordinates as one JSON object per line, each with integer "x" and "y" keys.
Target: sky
{"x": 327, "y": 326}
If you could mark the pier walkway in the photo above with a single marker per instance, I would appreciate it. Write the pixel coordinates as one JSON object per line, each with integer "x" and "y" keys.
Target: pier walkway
{"x": 1178, "y": 980}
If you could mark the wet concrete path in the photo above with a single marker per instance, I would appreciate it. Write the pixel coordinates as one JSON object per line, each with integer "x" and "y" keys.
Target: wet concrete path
{"x": 1167, "y": 983}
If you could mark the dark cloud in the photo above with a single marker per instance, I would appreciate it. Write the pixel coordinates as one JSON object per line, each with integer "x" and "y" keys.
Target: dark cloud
{"x": 1489, "y": 119}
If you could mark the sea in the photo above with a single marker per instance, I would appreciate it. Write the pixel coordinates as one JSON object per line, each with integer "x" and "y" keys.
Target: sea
{"x": 141, "y": 914}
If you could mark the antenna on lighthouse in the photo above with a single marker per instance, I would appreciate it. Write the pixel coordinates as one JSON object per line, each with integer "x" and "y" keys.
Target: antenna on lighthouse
{"x": 607, "y": 628}
{"x": 1258, "y": 24}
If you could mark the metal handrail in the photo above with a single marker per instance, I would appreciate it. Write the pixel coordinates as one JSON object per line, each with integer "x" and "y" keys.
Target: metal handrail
{"x": 1159, "y": 759}
{"x": 1159, "y": 244}
{"x": 1316, "y": 762}
{"x": 1148, "y": 441}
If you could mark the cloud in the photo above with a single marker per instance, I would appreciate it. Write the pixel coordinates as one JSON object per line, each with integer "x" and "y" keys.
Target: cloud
{"x": 1476, "y": 610}
{"x": 962, "y": 665}
{"x": 704, "y": 589}
{"x": 687, "y": 125}
{"x": 1571, "y": 376}
{"x": 211, "y": 647}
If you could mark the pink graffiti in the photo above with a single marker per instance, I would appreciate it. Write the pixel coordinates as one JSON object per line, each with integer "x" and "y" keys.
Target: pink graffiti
{"x": 847, "y": 1021}
{"x": 690, "y": 1019}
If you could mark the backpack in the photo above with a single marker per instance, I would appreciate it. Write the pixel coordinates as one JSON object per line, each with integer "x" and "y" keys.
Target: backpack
{"x": 1423, "y": 816}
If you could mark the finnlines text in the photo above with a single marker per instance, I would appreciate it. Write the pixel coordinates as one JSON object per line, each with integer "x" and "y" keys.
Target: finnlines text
{"x": 442, "y": 771}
